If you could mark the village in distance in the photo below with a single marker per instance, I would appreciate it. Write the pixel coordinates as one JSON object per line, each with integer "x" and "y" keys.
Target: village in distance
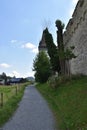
{"x": 7, "y": 80}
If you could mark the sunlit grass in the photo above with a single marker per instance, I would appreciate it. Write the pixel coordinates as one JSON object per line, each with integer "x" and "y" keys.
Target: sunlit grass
{"x": 8, "y": 92}
{"x": 69, "y": 103}
{"x": 12, "y": 95}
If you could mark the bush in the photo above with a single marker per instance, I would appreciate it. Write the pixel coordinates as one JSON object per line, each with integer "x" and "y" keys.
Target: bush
{"x": 52, "y": 81}
{"x": 55, "y": 81}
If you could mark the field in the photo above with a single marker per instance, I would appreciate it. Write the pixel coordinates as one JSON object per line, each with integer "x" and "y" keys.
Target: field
{"x": 69, "y": 103}
{"x": 9, "y": 98}
{"x": 8, "y": 92}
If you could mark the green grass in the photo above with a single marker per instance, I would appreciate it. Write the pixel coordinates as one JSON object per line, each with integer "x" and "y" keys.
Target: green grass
{"x": 11, "y": 103}
{"x": 69, "y": 103}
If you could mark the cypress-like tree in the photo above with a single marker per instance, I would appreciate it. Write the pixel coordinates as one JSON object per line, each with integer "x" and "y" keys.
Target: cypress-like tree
{"x": 60, "y": 27}
{"x": 52, "y": 51}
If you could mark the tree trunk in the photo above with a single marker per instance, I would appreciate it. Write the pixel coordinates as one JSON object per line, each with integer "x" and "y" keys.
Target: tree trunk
{"x": 67, "y": 68}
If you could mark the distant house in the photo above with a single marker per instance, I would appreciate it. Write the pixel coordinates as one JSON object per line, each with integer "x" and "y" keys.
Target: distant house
{"x": 42, "y": 44}
{"x": 15, "y": 80}
{"x": 2, "y": 81}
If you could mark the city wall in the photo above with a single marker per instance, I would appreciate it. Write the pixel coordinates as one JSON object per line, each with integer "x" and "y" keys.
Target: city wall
{"x": 76, "y": 35}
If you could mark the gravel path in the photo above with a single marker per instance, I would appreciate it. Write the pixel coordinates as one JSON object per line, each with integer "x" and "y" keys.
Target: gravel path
{"x": 32, "y": 114}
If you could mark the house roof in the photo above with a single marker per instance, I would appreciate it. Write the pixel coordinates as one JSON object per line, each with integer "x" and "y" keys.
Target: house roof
{"x": 15, "y": 80}
{"x": 42, "y": 43}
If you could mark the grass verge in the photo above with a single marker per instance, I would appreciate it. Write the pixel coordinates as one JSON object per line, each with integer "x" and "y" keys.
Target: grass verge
{"x": 69, "y": 103}
{"x": 11, "y": 105}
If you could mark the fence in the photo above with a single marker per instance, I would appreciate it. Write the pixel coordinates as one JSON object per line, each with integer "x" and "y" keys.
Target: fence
{"x": 7, "y": 92}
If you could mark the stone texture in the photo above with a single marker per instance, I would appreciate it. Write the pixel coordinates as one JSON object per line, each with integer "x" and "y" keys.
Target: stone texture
{"x": 76, "y": 35}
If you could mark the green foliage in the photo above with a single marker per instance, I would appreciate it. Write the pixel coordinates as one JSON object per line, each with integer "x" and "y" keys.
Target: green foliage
{"x": 69, "y": 103}
{"x": 52, "y": 51}
{"x": 42, "y": 67}
{"x": 59, "y": 24}
{"x": 3, "y": 76}
{"x": 68, "y": 54}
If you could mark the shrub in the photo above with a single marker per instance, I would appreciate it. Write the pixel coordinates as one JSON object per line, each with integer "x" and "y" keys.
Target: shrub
{"x": 55, "y": 81}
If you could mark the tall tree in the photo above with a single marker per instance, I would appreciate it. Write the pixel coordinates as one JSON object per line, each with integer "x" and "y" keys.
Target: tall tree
{"x": 52, "y": 51}
{"x": 42, "y": 67}
{"x": 64, "y": 54}
{"x": 60, "y": 27}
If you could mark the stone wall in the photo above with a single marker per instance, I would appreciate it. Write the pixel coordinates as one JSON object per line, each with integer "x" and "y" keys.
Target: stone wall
{"x": 76, "y": 35}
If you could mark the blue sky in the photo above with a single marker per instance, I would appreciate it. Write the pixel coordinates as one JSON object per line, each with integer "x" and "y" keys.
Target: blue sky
{"x": 21, "y": 26}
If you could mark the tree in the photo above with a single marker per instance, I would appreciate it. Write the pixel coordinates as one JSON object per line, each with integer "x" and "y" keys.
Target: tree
{"x": 64, "y": 54}
{"x": 52, "y": 51}
{"x": 60, "y": 27}
{"x": 42, "y": 67}
{"x": 3, "y": 76}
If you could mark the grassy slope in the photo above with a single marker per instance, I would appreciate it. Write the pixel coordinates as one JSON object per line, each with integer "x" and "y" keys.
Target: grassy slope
{"x": 69, "y": 103}
{"x": 11, "y": 105}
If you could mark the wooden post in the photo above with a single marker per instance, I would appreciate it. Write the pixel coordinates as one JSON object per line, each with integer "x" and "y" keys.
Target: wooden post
{"x": 16, "y": 90}
{"x": 1, "y": 99}
{"x": 18, "y": 87}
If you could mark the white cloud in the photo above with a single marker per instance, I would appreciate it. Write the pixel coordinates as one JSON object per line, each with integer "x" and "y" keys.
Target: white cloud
{"x": 16, "y": 42}
{"x": 35, "y": 50}
{"x": 14, "y": 73}
{"x": 17, "y": 74}
{"x": 29, "y": 74}
{"x": 28, "y": 45}
{"x": 5, "y": 65}
{"x": 13, "y": 41}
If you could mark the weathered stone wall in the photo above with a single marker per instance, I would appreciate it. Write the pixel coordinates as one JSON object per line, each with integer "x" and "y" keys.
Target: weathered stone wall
{"x": 76, "y": 35}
